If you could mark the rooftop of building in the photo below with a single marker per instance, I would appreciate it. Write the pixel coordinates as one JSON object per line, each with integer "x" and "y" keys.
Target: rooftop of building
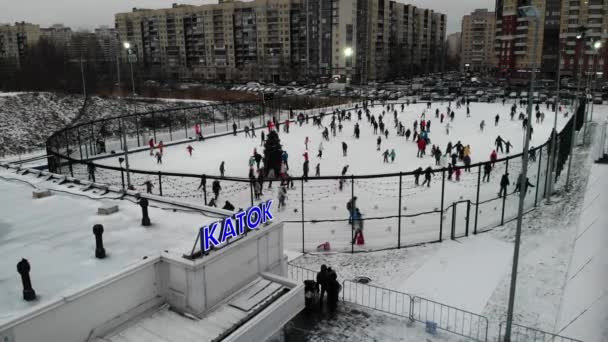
{"x": 55, "y": 235}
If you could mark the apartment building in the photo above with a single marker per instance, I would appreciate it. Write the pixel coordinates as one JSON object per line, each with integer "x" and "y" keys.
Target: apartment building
{"x": 59, "y": 34}
{"x": 107, "y": 39}
{"x": 579, "y": 57}
{"x": 515, "y": 38}
{"x": 478, "y": 35}
{"x": 283, "y": 40}
{"x": 15, "y": 41}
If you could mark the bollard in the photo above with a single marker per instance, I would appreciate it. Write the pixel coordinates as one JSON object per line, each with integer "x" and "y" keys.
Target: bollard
{"x": 100, "y": 252}
{"x": 23, "y": 267}
{"x": 145, "y": 219}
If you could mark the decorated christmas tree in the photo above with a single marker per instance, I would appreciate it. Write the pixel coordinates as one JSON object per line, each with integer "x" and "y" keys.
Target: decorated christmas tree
{"x": 272, "y": 154}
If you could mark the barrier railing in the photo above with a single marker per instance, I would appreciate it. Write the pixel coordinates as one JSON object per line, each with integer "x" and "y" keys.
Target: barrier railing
{"x": 449, "y": 318}
{"x": 449, "y": 208}
{"x": 377, "y": 298}
{"x": 522, "y": 333}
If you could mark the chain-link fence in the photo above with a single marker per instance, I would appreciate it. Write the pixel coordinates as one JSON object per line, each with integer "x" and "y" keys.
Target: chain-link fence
{"x": 397, "y": 210}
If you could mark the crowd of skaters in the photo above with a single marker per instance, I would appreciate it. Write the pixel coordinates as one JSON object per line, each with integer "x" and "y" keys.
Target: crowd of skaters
{"x": 458, "y": 155}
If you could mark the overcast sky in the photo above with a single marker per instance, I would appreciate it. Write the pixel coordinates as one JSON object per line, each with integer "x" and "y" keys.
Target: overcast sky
{"x": 87, "y": 14}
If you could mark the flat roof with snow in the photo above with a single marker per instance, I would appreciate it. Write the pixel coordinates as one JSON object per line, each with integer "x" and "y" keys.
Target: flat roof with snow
{"x": 55, "y": 235}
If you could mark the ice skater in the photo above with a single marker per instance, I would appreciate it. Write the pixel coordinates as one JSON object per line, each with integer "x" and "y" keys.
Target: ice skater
{"x": 222, "y": 169}
{"x": 189, "y": 148}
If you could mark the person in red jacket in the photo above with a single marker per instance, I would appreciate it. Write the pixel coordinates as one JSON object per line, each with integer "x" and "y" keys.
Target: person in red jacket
{"x": 305, "y": 155}
{"x": 151, "y": 144}
{"x": 161, "y": 147}
{"x": 190, "y": 148}
{"x": 493, "y": 157}
{"x": 286, "y": 126}
{"x": 270, "y": 125}
{"x": 421, "y": 148}
{"x": 422, "y": 125}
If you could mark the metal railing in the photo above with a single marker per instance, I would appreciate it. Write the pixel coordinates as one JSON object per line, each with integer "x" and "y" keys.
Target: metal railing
{"x": 520, "y": 333}
{"x": 377, "y": 298}
{"x": 460, "y": 207}
{"x": 449, "y": 318}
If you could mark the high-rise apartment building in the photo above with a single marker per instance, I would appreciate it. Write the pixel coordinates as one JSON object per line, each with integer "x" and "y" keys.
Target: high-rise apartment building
{"x": 58, "y": 34}
{"x": 15, "y": 41}
{"x": 515, "y": 38}
{"x": 280, "y": 40}
{"x": 478, "y": 35}
{"x": 579, "y": 57}
{"x": 107, "y": 38}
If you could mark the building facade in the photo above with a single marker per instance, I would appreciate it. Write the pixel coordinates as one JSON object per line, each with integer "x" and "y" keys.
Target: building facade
{"x": 284, "y": 40}
{"x": 560, "y": 24}
{"x": 60, "y": 35}
{"x": 578, "y": 57}
{"x": 15, "y": 41}
{"x": 478, "y": 35}
{"x": 515, "y": 34}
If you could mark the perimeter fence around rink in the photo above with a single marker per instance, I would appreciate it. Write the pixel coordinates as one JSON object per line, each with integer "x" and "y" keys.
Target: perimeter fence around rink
{"x": 396, "y": 212}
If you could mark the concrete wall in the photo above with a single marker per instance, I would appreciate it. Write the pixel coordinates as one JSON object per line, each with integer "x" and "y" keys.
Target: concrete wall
{"x": 197, "y": 287}
{"x": 191, "y": 286}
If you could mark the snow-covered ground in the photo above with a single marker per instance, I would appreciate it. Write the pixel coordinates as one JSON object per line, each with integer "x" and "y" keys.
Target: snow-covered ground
{"x": 560, "y": 274}
{"x": 40, "y": 229}
{"x": 28, "y": 119}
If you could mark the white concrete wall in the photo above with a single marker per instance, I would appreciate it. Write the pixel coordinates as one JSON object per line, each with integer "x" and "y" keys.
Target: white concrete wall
{"x": 75, "y": 317}
{"x": 205, "y": 282}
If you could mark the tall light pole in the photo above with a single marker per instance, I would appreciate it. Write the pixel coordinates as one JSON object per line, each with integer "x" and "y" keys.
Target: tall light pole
{"x": 527, "y": 12}
{"x": 130, "y": 57}
{"x": 596, "y": 49}
{"x": 123, "y": 133}
{"x": 581, "y": 38}
{"x": 348, "y": 53}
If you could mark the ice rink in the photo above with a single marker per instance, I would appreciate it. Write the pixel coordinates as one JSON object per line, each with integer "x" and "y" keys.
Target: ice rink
{"x": 324, "y": 204}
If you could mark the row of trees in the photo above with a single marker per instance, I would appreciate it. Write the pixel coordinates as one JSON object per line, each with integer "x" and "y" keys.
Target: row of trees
{"x": 47, "y": 66}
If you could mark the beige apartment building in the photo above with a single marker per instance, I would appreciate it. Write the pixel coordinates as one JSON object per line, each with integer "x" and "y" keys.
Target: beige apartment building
{"x": 15, "y": 40}
{"x": 283, "y": 40}
{"x": 577, "y": 56}
{"x": 477, "y": 42}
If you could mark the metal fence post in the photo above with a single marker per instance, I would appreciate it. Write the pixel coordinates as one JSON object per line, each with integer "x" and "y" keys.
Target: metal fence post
{"x": 302, "y": 200}
{"x": 170, "y": 128}
{"x": 442, "y": 198}
{"x": 466, "y": 233}
{"x": 540, "y": 159}
{"x": 251, "y": 190}
{"x": 504, "y": 197}
{"x": 352, "y": 208}
{"x": 185, "y": 124}
{"x": 122, "y": 178}
{"x": 477, "y": 198}
{"x": 137, "y": 129}
{"x": 547, "y": 171}
{"x": 79, "y": 142}
{"x": 154, "y": 126}
{"x": 453, "y": 230}
{"x": 160, "y": 183}
{"x": 399, "y": 222}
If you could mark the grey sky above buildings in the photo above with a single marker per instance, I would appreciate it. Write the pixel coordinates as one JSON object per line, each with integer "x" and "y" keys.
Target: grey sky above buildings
{"x": 88, "y": 14}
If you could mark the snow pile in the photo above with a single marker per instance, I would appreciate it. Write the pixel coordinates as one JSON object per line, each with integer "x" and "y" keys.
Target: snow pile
{"x": 28, "y": 119}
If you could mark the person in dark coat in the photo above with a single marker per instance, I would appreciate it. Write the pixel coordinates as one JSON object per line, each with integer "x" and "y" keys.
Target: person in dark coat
{"x": 234, "y": 127}
{"x": 427, "y": 176}
{"x": 333, "y": 290}
{"x": 322, "y": 278}
{"x": 215, "y": 187}
{"x": 228, "y": 206}
{"x": 526, "y": 184}
{"x": 487, "y": 168}
{"x": 504, "y": 182}
{"x": 417, "y": 173}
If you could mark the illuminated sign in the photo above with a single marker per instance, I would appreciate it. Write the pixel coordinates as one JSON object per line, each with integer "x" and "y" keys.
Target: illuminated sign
{"x": 217, "y": 233}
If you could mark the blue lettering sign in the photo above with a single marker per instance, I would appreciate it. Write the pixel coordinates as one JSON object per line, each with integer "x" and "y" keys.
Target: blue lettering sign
{"x": 233, "y": 227}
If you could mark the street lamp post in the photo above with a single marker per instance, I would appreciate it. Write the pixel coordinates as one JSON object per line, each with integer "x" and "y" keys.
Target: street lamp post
{"x": 581, "y": 38}
{"x": 348, "y": 53}
{"x": 130, "y": 57}
{"x": 123, "y": 133}
{"x": 528, "y": 12}
{"x": 596, "y": 48}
